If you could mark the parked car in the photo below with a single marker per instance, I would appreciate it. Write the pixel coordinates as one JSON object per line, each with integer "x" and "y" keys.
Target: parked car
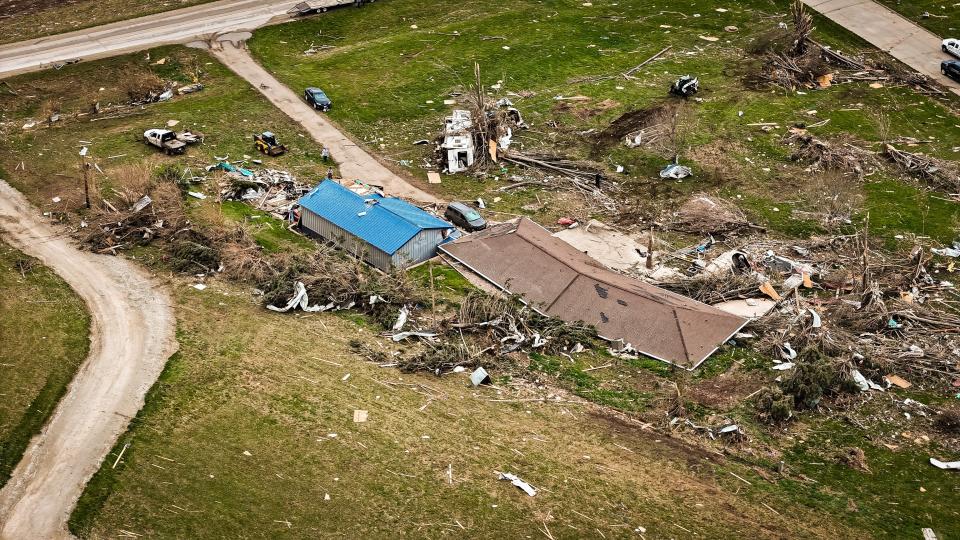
{"x": 165, "y": 140}
{"x": 951, "y": 68}
{"x": 951, "y": 46}
{"x": 465, "y": 217}
{"x": 317, "y": 98}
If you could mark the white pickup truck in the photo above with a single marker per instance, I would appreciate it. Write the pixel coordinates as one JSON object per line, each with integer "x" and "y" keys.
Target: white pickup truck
{"x": 165, "y": 140}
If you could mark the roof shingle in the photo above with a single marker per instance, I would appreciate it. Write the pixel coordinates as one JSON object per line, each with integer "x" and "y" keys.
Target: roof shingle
{"x": 561, "y": 281}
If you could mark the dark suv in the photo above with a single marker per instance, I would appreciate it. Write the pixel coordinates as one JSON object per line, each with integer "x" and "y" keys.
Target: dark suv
{"x": 951, "y": 68}
{"x": 465, "y": 217}
{"x": 317, "y": 98}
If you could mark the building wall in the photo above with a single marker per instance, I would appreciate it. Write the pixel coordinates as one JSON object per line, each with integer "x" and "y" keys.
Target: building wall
{"x": 346, "y": 241}
{"x": 419, "y": 248}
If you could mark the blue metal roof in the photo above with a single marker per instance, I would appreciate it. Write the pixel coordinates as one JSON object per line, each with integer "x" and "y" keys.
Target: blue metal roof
{"x": 385, "y": 223}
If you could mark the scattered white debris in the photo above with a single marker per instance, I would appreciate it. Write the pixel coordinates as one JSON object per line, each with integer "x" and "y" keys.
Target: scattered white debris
{"x": 527, "y": 488}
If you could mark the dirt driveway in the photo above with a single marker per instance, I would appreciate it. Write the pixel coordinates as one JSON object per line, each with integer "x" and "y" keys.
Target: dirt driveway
{"x": 355, "y": 162}
{"x": 132, "y": 335}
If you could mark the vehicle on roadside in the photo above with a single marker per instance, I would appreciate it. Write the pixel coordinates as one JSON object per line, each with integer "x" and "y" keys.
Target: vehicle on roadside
{"x": 165, "y": 140}
{"x": 951, "y": 47}
{"x": 317, "y": 98}
{"x": 465, "y": 217}
{"x": 951, "y": 68}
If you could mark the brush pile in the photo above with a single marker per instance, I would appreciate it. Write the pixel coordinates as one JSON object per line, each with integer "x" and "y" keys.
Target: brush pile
{"x": 794, "y": 61}
{"x": 486, "y": 329}
{"x": 936, "y": 172}
{"x": 136, "y": 218}
{"x": 821, "y": 155}
{"x": 881, "y": 314}
{"x": 333, "y": 282}
{"x": 714, "y": 288}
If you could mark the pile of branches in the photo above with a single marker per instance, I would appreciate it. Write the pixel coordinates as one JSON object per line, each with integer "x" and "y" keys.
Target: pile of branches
{"x": 487, "y": 329}
{"x": 578, "y": 175}
{"x": 889, "y": 315}
{"x": 491, "y": 119}
{"x": 136, "y": 219}
{"x": 507, "y": 325}
{"x": 715, "y": 288}
{"x": 336, "y": 281}
{"x": 794, "y": 60}
{"x": 702, "y": 214}
{"x": 823, "y": 155}
{"x": 444, "y": 357}
{"x": 936, "y": 172}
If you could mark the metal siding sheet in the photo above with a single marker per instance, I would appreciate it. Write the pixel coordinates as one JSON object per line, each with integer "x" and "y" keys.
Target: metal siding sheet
{"x": 422, "y": 246}
{"x": 345, "y": 241}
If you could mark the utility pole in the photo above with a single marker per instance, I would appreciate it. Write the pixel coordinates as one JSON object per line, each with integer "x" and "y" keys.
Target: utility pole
{"x": 85, "y": 167}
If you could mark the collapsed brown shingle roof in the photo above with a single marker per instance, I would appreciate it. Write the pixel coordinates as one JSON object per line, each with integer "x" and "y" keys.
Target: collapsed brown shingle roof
{"x": 552, "y": 276}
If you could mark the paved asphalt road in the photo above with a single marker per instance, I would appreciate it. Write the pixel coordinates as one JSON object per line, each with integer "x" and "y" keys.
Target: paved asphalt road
{"x": 178, "y": 26}
{"x": 890, "y": 32}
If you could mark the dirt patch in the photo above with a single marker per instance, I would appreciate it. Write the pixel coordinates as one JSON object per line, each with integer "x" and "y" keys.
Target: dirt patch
{"x": 854, "y": 458}
{"x": 703, "y": 214}
{"x": 584, "y": 111}
{"x": 651, "y": 119}
{"x": 724, "y": 392}
{"x": 662, "y": 444}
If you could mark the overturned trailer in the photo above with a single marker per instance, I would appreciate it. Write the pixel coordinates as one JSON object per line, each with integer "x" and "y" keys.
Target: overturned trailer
{"x": 303, "y": 9}
{"x": 458, "y": 148}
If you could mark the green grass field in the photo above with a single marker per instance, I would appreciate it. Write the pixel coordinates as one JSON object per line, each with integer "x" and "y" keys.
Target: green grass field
{"x": 417, "y": 56}
{"x": 45, "y": 335}
{"x": 236, "y": 439}
{"x": 941, "y": 20}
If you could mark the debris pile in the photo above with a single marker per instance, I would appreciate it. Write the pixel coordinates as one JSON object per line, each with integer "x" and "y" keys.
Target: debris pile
{"x": 482, "y": 137}
{"x": 496, "y": 326}
{"x": 642, "y": 127}
{"x": 136, "y": 220}
{"x": 797, "y": 62}
{"x": 703, "y": 214}
{"x": 329, "y": 281}
{"x": 820, "y": 155}
{"x": 884, "y": 314}
{"x": 936, "y": 172}
{"x": 272, "y": 190}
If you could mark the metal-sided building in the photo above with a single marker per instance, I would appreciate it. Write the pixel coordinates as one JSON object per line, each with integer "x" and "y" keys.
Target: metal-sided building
{"x": 386, "y": 232}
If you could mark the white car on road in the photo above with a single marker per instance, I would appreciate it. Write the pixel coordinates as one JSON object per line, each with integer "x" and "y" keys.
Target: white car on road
{"x": 951, "y": 46}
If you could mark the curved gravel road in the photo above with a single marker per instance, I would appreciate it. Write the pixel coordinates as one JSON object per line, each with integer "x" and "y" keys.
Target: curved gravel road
{"x": 131, "y": 335}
